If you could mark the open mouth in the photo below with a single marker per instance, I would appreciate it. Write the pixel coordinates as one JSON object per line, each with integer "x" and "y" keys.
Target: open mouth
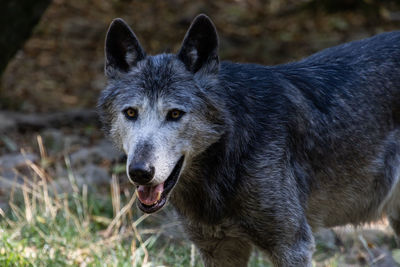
{"x": 153, "y": 198}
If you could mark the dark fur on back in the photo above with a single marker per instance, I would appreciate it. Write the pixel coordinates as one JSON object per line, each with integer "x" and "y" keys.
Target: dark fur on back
{"x": 282, "y": 150}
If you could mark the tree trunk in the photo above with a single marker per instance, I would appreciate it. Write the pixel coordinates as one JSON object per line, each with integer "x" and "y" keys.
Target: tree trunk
{"x": 17, "y": 20}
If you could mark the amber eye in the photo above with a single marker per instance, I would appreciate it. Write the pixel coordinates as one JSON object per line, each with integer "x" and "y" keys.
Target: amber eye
{"x": 175, "y": 114}
{"x": 131, "y": 113}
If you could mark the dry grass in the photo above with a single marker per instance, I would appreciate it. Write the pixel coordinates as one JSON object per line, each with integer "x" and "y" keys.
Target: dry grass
{"x": 46, "y": 227}
{"x": 79, "y": 226}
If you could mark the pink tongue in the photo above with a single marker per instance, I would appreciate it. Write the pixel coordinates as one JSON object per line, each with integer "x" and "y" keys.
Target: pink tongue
{"x": 149, "y": 195}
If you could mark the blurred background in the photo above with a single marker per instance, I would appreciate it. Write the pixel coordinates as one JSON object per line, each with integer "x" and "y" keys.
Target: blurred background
{"x": 64, "y": 197}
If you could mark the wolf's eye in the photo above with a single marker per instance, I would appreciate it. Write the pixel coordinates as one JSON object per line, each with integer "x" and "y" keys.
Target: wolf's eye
{"x": 131, "y": 113}
{"x": 175, "y": 114}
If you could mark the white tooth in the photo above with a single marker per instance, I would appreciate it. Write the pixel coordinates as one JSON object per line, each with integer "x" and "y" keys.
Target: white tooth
{"x": 158, "y": 196}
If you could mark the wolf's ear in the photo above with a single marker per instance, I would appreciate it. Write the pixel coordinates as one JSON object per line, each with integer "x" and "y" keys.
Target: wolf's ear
{"x": 122, "y": 49}
{"x": 200, "y": 46}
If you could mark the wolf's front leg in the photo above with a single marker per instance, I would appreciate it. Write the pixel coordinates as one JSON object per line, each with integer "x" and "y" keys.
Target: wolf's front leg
{"x": 217, "y": 247}
{"x": 297, "y": 255}
{"x": 225, "y": 252}
{"x": 290, "y": 247}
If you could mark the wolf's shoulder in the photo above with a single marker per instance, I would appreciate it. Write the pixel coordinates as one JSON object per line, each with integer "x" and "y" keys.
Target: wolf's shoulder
{"x": 243, "y": 69}
{"x": 247, "y": 76}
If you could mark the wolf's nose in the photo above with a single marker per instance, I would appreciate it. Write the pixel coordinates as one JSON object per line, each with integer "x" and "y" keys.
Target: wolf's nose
{"x": 141, "y": 172}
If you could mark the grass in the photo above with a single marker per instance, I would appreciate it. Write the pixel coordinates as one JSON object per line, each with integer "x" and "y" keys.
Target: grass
{"x": 84, "y": 227}
{"x": 81, "y": 228}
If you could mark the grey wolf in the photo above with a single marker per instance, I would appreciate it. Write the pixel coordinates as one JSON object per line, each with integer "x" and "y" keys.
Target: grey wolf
{"x": 253, "y": 155}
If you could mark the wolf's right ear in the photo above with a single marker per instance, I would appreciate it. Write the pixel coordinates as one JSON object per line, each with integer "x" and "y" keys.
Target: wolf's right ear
{"x": 199, "y": 49}
{"x": 122, "y": 49}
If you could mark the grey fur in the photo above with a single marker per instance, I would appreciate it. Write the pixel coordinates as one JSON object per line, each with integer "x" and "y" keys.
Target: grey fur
{"x": 270, "y": 153}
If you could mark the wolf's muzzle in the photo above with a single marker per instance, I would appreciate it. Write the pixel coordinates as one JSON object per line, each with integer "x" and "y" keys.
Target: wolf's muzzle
{"x": 140, "y": 172}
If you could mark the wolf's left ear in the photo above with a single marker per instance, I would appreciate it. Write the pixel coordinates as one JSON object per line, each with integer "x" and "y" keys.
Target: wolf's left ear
{"x": 122, "y": 49}
{"x": 199, "y": 49}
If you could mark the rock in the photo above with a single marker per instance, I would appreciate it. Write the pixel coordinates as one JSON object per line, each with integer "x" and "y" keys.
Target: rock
{"x": 92, "y": 175}
{"x": 53, "y": 140}
{"x": 108, "y": 150}
{"x": 327, "y": 238}
{"x": 7, "y": 124}
{"x": 56, "y": 141}
{"x": 104, "y": 150}
{"x": 383, "y": 258}
{"x": 15, "y": 160}
{"x": 9, "y": 178}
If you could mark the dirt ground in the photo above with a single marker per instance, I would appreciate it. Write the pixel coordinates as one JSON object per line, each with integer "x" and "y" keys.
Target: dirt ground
{"x": 60, "y": 67}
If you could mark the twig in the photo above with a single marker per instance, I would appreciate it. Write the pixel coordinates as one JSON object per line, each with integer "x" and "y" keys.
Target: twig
{"x": 36, "y": 121}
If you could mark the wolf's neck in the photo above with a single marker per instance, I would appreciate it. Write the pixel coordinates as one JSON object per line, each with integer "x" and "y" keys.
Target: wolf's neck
{"x": 206, "y": 189}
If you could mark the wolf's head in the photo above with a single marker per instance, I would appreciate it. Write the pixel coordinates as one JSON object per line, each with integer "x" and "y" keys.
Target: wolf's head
{"x": 158, "y": 109}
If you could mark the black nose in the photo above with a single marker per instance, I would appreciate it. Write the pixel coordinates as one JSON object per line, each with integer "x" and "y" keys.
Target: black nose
{"x": 140, "y": 172}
